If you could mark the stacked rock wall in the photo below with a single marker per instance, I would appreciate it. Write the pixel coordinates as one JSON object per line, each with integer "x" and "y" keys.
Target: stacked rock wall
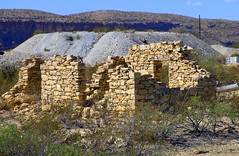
{"x": 183, "y": 72}
{"x": 149, "y": 91}
{"x": 187, "y": 74}
{"x": 63, "y": 79}
{"x": 130, "y": 91}
{"x": 141, "y": 57}
{"x": 120, "y": 97}
{"x": 137, "y": 82}
{"x": 123, "y": 83}
{"x": 29, "y": 80}
{"x": 99, "y": 84}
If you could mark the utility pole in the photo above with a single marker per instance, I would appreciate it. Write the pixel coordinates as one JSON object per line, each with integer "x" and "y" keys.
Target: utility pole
{"x": 199, "y": 27}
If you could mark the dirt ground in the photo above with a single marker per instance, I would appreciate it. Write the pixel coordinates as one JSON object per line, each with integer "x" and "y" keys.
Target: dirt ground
{"x": 185, "y": 143}
{"x": 230, "y": 148}
{"x": 223, "y": 143}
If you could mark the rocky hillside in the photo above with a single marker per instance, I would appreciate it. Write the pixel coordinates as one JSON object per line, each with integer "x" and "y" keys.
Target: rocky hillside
{"x": 96, "y": 47}
{"x": 16, "y": 26}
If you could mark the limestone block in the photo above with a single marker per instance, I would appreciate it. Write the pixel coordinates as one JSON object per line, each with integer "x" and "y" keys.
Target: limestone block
{"x": 46, "y": 108}
{"x": 52, "y": 68}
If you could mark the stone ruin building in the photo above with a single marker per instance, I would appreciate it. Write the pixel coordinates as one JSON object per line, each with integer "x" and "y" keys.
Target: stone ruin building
{"x": 120, "y": 85}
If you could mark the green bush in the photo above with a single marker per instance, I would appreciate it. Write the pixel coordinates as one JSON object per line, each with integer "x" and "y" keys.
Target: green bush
{"x": 8, "y": 78}
{"x": 235, "y": 45}
{"x": 38, "y": 140}
{"x": 235, "y": 55}
{"x": 42, "y": 135}
{"x": 14, "y": 141}
{"x": 65, "y": 150}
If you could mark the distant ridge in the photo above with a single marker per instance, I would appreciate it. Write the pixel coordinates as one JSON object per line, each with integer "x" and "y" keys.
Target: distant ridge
{"x": 17, "y": 25}
{"x": 26, "y": 15}
{"x": 105, "y": 16}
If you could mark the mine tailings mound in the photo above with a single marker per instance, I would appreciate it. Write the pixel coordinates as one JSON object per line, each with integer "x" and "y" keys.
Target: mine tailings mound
{"x": 96, "y": 47}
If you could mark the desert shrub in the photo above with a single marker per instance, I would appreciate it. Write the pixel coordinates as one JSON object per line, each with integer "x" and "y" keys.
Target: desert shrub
{"x": 234, "y": 112}
{"x": 235, "y": 55}
{"x": 102, "y": 29}
{"x": 36, "y": 32}
{"x": 235, "y": 45}
{"x": 69, "y": 38}
{"x": 9, "y": 50}
{"x": 8, "y": 77}
{"x": 74, "y": 32}
{"x": 46, "y": 50}
{"x": 146, "y": 127}
{"x": 153, "y": 124}
{"x": 206, "y": 115}
{"x": 14, "y": 141}
{"x": 64, "y": 150}
{"x": 78, "y": 37}
{"x": 99, "y": 35}
{"x": 41, "y": 138}
{"x": 128, "y": 31}
{"x": 41, "y": 135}
{"x": 150, "y": 30}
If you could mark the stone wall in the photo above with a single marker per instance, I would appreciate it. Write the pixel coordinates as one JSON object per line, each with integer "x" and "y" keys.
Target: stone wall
{"x": 130, "y": 91}
{"x": 29, "y": 83}
{"x": 187, "y": 74}
{"x": 136, "y": 82}
{"x": 141, "y": 57}
{"x": 121, "y": 84}
{"x": 183, "y": 73}
{"x": 63, "y": 79}
{"x": 99, "y": 84}
{"x": 120, "y": 97}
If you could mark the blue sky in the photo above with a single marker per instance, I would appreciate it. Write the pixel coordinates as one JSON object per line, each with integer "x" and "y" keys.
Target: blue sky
{"x": 213, "y": 9}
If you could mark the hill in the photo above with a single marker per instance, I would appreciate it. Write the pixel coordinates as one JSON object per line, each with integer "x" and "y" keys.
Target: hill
{"x": 96, "y": 47}
{"x": 18, "y": 25}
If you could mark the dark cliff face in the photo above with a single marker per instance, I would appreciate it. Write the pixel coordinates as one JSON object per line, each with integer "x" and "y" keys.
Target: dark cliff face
{"x": 16, "y": 26}
{"x": 14, "y": 33}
